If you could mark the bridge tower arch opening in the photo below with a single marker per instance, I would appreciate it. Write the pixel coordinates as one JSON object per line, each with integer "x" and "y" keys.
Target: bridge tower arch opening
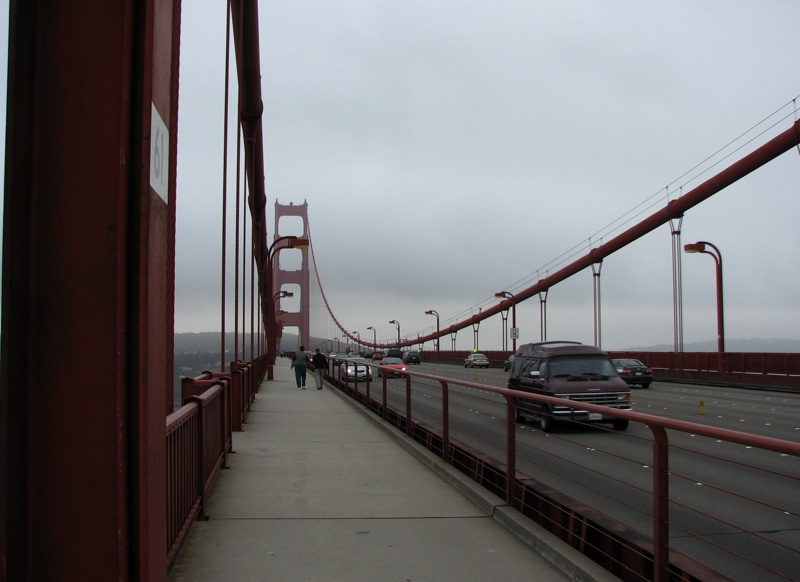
{"x": 290, "y": 272}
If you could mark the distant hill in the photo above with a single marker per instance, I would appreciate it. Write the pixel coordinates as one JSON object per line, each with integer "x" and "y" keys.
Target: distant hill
{"x": 209, "y": 341}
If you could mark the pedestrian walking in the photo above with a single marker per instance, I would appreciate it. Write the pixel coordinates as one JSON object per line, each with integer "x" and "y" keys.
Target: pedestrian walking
{"x": 300, "y": 365}
{"x": 320, "y": 362}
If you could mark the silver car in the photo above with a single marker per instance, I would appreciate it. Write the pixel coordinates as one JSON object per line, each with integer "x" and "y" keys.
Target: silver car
{"x": 476, "y": 361}
{"x": 356, "y": 368}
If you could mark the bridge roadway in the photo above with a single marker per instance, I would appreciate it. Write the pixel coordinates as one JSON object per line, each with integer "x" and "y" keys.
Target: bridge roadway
{"x": 318, "y": 489}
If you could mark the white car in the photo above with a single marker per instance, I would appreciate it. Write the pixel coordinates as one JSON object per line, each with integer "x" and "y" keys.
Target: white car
{"x": 476, "y": 361}
{"x": 356, "y": 368}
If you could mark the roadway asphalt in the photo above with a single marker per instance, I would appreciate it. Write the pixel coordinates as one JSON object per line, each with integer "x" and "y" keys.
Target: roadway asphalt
{"x": 319, "y": 490}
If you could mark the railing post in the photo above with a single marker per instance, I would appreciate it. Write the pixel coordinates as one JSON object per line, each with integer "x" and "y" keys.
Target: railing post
{"x": 445, "y": 421}
{"x": 660, "y": 504}
{"x": 409, "y": 431}
{"x": 200, "y": 459}
{"x": 385, "y": 401}
{"x": 511, "y": 449}
{"x": 237, "y": 409}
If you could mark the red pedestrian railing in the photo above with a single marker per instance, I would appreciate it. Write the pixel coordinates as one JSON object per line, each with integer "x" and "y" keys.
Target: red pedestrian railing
{"x": 688, "y": 502}
{"x": 199, "y": 436}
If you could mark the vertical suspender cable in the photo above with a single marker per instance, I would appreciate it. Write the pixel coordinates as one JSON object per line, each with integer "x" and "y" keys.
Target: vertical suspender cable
{"x": 225, "y": 184}
{"x": 239, "y": 178}
{"x": 252, "y": 304}
{"x": 245, "y": 197}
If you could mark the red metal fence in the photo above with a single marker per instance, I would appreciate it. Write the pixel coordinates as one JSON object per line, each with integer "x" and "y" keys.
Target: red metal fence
{"x": 199, "y": 436}
{"x": 683, "y": 518}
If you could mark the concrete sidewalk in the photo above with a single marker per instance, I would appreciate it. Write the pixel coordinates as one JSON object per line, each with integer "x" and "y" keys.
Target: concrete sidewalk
{"x": 320, "y": 489}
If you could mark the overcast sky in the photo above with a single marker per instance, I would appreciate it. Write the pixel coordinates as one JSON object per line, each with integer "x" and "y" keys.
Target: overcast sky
{"x": 451, "y": 149}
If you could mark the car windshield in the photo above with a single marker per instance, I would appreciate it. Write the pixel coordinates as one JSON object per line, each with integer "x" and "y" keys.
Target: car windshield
{"x": 624, "y": 363}
{"x": 478, "y": 356}
{"x": 581, "y": 367}
{"x": 392, "y": 361}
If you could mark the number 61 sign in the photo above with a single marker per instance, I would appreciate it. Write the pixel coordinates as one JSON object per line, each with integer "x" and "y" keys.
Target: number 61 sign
{"x": 159, "y": 155}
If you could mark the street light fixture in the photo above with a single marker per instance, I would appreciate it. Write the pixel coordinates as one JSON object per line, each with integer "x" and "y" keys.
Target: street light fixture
{"x": 358, "y": 345}
{"x": 434, "y": 312}
{"x": 503, "y": 295}
{"x": 701, "y": 247}
{"x": 394, "y": 321}
{"x": 374, "y": 336}
{"x": 282, "y": 294}
{"x": 284, "y": 242}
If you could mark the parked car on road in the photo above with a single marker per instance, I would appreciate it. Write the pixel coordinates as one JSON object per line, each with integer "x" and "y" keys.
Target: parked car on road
{"x": 634, "y": 372}
{"x": 567, "y": 370}
{"x": 394, "y": 367}
{"x": 476, "y": 361}
{"x": 410, "y": 357}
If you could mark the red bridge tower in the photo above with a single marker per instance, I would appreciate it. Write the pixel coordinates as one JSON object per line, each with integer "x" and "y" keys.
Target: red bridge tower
{"x": 295, "y": 280}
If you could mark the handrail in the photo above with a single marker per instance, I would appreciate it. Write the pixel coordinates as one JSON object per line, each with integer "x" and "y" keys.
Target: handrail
{"x": 661, "y": 559}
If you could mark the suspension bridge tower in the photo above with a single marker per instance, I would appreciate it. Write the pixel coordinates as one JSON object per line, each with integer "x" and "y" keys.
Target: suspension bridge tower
{"x": 294, "y": 280}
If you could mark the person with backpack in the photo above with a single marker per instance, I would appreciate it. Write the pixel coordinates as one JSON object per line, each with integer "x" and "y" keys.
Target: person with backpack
{"x": 300, "y": 365}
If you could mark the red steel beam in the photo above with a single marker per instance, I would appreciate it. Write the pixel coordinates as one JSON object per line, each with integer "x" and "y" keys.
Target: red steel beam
{"x": 88, "y": 247}
{"x": 244, "y": 22}
{"x": 674, "y": 209}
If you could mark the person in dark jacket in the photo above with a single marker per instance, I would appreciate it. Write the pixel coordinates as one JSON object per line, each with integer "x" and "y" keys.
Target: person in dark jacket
{"x": 319, "y": 361}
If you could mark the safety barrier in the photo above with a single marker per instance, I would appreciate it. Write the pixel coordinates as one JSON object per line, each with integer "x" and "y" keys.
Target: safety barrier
{"x": 199, "y": 436}
{"x": 649, "y": 480}
{"x": 769, "y": 370}
{"x": 776, "y": 371}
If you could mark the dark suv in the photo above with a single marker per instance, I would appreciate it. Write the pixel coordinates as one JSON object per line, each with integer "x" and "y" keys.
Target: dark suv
{"x": 394, "y": 353}
{"x": 567, "y": 370}
{"x": 410, "y": 357}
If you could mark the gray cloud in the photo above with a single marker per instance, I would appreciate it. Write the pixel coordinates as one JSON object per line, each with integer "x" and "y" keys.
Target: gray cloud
{"x": 452, "y": 149}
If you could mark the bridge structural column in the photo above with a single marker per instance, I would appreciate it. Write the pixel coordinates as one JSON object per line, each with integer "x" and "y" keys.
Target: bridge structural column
{"x": 298, "y": 278}
{"x": 88, "y": 279}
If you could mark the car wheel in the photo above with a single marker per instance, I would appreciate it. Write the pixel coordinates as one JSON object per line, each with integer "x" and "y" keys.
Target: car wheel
{"x": 645, "y": 385}
{"x": 546, "y": 421}
{"x": 620, "y": 424}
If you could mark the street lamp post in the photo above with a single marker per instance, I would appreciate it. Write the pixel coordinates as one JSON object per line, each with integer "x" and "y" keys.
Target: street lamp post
{"x": 394, "y": 321}
{"x": 374, "y": 337}
{"x": 277, "y": 331}
{"x": 284, "y": 242}
{"x": 504, "y": 295}
{"x": 358, "y": 345}
{"x": 433, "y": 312}
{"x": 702, "y": 247}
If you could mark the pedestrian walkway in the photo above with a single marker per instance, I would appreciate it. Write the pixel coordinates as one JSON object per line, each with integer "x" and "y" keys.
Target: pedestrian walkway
{"x": 319, "y": 490}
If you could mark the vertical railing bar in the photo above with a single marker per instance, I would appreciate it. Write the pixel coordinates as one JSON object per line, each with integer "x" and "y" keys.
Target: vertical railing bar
{"x": 409, "y": 431}
{"x": 445, "y": 421}
{"x": 511, "y": 449}
{"x": 660, "y": 504}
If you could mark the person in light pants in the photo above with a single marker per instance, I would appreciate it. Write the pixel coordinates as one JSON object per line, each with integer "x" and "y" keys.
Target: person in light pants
{"x": 319, "y": 361}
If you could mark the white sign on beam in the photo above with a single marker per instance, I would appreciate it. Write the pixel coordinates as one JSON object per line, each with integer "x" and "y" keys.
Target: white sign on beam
{"x": 159, "y": 155}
